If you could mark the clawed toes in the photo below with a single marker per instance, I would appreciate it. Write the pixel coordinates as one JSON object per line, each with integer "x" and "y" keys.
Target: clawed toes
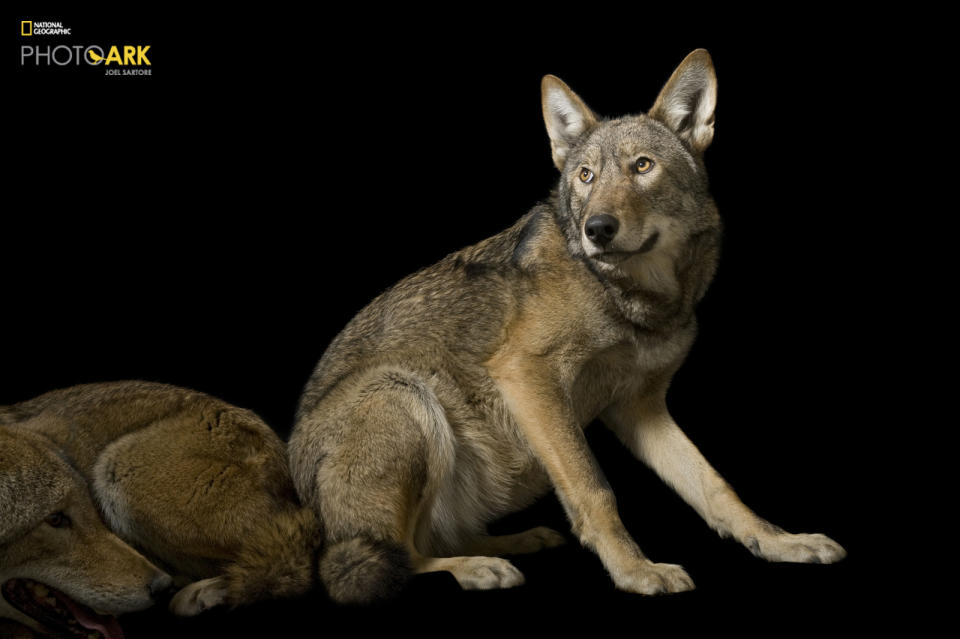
{"x": 655, "y": 579}
{"x": 802, "y": 548}
{"x": 487, "y": 573}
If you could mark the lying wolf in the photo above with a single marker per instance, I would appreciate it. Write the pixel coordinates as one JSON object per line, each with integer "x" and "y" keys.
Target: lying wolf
{"x": 107, "y": 488}
{"x": 461, "y": 394}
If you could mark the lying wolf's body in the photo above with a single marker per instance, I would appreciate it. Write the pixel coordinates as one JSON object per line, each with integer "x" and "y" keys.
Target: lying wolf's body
{"x": 198, "y": 486}
{"x": 461, "y": 394}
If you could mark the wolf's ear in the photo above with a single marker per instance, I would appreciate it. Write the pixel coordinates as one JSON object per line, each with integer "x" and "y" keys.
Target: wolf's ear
{"x": 566, "y": 117}
{"x": 687, "y": 102}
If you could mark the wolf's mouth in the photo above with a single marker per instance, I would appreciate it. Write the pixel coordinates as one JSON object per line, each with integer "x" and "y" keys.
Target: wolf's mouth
{"x": 615, "y": 257}
{"x": 59, "y": 612}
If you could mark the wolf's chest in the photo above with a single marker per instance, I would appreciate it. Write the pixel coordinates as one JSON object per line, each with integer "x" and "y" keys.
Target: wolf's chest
{"x": 626, "y": 368}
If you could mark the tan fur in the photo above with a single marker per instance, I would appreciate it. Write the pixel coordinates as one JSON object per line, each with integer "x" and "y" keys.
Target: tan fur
{"x": 201, "y": 487}
{"x": 84, "y": 560}
{"x": 461, "y": 393}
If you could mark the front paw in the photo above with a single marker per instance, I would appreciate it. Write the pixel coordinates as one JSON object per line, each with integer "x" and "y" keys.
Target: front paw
{"x": 802, "y": 548}
{"x": 648, "y": 578}
{"x": 199, "y": 596}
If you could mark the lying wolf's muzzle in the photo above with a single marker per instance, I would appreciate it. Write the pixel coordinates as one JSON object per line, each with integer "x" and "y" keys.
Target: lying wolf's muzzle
{"x": 58, "y": 612}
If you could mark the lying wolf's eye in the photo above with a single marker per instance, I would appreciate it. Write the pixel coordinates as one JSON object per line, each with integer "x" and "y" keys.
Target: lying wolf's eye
{"x": 586, "y": 175}
{"x": 57, "y": 520}
{"x": 643, "y": 165}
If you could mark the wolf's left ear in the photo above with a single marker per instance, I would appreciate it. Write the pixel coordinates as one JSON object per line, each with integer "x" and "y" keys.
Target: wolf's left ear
{"x": 687, "y": 102}
{"x": 566, "y": 117}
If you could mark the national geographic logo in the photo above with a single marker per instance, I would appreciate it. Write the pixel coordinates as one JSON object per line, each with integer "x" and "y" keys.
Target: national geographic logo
{"x": 116, "y": 60}
{"x": 28, "y": 28}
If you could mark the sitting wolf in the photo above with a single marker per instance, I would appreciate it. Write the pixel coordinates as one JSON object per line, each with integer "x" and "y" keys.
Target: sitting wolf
{"x": 461, "y": 394}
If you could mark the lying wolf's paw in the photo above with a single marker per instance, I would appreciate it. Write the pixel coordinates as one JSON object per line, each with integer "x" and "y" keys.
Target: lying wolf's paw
{"x": 803, "y": 548}
{"x": 199, "y": 596}
{"x": 486, "y": 573}
{"x": 648, "y": 578}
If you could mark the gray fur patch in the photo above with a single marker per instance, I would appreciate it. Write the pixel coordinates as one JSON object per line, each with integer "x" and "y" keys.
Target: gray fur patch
{"x": 360, "y": 570}
{"x": 524, "y": 240}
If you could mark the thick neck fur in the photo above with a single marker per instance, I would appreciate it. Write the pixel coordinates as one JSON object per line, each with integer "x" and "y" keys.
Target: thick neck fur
{"x": 657, "y": 291}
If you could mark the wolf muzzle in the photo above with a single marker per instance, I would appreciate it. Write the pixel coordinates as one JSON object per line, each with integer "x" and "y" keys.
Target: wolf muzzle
{"x": 601, "y": 229}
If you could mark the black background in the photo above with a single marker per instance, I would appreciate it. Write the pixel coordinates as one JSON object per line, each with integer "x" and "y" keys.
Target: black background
{"x": 216, "y": 224}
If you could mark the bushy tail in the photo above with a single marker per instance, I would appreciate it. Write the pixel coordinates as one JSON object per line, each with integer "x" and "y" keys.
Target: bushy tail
{"x": 278, "y": 562}
{"x": 363, "y": 570}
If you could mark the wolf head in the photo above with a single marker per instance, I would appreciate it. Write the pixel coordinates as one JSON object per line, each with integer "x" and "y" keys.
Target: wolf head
{"x": 633, "y": 190}
{"x": 58, "y": 562}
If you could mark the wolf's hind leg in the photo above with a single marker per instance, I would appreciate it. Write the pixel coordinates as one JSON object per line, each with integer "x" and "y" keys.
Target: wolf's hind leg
{"x": 219, "y": 512}
{"x": 480, "y": 568}
{"x": 521, "y": 543}
{"x": 369, "y": 464}
{"x": 472, "y": 573}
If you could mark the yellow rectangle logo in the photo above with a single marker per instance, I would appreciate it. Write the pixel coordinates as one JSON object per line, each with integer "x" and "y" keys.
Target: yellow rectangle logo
{"x": 26, "y": 27}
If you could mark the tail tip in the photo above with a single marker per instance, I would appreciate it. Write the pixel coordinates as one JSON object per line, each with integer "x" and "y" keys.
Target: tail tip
{"x": 364, "y": 571}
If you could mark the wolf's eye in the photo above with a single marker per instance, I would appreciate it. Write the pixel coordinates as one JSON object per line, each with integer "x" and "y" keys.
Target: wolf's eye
{"x": 586, "y": 175}
{"x": 57, "y": 520}
{"x": 643, "y": 165}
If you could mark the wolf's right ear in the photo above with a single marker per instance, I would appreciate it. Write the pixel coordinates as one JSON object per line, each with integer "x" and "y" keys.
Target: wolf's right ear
{"x": 687, "y": 102}
{"x": 566, "y": 117}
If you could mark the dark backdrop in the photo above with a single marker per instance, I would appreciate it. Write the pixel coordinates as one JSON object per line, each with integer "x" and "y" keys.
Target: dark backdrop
{"x": 214, "y": 226}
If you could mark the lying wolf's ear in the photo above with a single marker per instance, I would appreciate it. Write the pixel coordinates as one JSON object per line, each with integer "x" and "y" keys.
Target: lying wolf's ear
{"x": 687, "y": 101}
{"x": 566, "y": 116}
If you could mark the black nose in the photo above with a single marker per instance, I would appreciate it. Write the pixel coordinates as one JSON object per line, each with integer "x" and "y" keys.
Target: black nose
{"x": 160, "y": 584}
{"x": 601, "y": 228}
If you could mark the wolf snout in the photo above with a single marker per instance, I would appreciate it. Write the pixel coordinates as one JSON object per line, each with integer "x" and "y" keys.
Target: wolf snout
{"x": 601, "y": 229}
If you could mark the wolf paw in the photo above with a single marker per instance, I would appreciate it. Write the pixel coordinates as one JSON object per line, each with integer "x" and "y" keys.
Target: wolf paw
{"x": 802, "y": 548}
{"x": 486, "y": 573}
{"x": 538, "y": 538}
{"x": 199, "y": 596}
{"x": 648, "y": 578}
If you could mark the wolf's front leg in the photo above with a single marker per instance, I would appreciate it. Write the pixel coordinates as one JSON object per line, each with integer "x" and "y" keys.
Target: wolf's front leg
{"x": 547, "y": 422}
{"x": 645, "y": 426}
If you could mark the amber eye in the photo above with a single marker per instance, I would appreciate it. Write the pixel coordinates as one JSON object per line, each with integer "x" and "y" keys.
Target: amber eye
{"x": 643, "y": 165}
{"x": 586, "y": 175}
{"x": 57, "y": 520}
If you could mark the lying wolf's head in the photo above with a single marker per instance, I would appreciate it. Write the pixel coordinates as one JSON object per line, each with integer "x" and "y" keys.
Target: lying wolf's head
{"x": 633, "y": 190}
{"x": 61, "y": 570}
